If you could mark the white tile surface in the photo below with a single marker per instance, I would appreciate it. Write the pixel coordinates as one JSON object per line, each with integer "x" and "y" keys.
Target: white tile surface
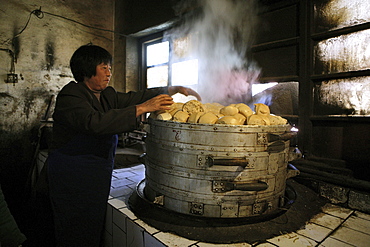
{"x": 337, "y": 211}
{"x": 315, "y": 232}
{"x": 265, "y": 245}
{"x": 119, "y": 237}
{"x": 139, "y": 168}
{"x": 151, "y": 241}
{"x": 120, "y": 191}
{"x": 172, "y": 240}
{"x": 119, "y": 219}
{"x": 358, "y": 224}
{"x": 128, "y": 213}
{"x": 224, "y": 245}
{"x": 362, "y": 215}
{"x": 148, "y": 228}
{"x": 123, "y": 174}
{"x": 345, "y": 226}
{"x": 327, "y": 220}
{"x": 135, "y": 234}
{"x": 292, "y": 239}
{"x": 332, "y": 242}
{"x": 117, "y": 183}
{"x": 351, "y": 236}
{"x": 117, "y": 203}
{"x": 136, "y": 179}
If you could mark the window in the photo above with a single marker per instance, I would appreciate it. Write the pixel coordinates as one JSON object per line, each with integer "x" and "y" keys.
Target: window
{"x": 166, "y": 63}
{"x": 157, "y": 57}
{"x": 341, "y": 62}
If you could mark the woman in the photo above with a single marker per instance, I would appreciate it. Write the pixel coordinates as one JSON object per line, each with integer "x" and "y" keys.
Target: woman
{"x": 88, "y": 116}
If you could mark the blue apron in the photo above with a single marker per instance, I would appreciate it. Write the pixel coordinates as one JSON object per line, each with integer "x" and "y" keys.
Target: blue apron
{"x": 79, "y": 177}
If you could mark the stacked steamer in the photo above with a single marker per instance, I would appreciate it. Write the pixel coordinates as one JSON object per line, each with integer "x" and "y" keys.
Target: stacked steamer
{"x": 210, "y": 160}
{"x": 213, "y": 113}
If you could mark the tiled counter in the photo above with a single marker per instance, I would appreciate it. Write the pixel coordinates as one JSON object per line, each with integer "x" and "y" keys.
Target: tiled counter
{"x": 334, "y": 227}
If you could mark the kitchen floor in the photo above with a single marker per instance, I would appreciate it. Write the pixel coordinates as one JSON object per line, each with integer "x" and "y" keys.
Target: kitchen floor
{"x": 334, "y": 226}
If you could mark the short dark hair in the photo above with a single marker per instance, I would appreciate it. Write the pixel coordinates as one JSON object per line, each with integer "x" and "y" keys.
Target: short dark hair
{"x": 85, "y": 59}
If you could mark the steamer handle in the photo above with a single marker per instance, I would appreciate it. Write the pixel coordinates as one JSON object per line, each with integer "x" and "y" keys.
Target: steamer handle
{"x": 242, "y": 161}
{"x": 224, "y": 186}
{"x": 283, "y": 137}
{"x": 259, "y": 186}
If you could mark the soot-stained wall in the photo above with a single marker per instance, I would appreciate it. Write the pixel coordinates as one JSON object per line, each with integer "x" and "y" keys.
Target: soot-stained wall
{"x": 42, "y": 50}
{"x": 42, "y": 45}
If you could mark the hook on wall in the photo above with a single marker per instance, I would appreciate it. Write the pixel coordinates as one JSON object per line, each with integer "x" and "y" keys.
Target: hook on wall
{"x": 11, "y": 77}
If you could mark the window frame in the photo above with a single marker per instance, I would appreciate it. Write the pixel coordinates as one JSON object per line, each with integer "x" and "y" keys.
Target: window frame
{"x": 143, "y": 44}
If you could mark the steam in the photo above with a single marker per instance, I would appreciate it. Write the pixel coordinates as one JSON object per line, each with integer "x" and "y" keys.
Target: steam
{"x": 220, "y": 36}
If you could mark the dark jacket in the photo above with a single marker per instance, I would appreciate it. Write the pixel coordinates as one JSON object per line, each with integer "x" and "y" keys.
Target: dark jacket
{"x": 78, "y": 111}
{"x": 81, "y": 161}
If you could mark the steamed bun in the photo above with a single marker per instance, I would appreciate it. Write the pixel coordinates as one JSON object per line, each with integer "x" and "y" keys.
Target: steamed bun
{"x": 229, "y": 110}
{"x": 228, "y": 120}
{"x": 208, "y": 118}
{"x": 193, "y": 106}
{"x": 180, "y": 116}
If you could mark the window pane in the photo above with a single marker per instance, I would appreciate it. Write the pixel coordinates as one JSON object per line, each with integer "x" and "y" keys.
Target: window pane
{"x": 343, "y": 97}
{"x": 260, "y": 87}
{"x": 185, "y": 73}
{"x": 157, "y": 76}
{"x": 344, "y": 53}
{"x": 181, "y": 47}
{"x": 335, "y": 14}
{"x": 157, "y": 53}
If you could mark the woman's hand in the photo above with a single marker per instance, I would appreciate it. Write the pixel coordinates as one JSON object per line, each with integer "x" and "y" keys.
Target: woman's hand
{"x": 183, "y": 90}
{"x": 160, "y": 102}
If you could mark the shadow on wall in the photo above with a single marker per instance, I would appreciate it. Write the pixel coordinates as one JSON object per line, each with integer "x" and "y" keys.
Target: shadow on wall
{"x": 19, "y": 131}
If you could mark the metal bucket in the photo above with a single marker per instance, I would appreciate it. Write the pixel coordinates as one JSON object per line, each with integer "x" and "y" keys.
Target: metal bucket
{"x": 217, "y": 170}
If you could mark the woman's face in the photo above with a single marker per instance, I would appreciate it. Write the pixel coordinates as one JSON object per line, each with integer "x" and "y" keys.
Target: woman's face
{"x": 99, "y": 81}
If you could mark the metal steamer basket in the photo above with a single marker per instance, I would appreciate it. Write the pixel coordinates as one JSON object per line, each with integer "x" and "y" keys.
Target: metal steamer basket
{"x": 218, "y": 171}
